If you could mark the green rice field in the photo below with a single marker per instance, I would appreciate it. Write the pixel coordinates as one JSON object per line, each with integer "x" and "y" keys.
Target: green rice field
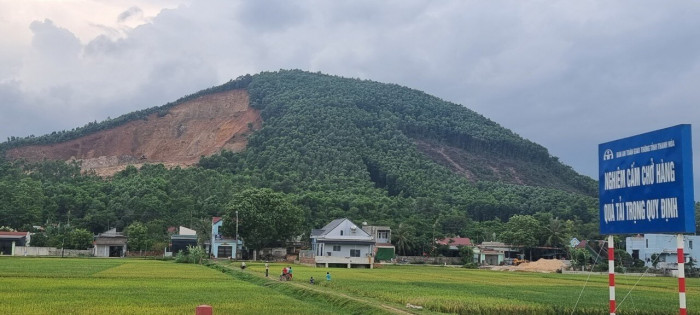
{"x": 468, "y": 291}
{"x": 125, "y": 286}
{"x": 128, "y": 286}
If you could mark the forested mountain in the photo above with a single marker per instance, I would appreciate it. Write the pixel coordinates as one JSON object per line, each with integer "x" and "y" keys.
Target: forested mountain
{"x": 336, "y": 147}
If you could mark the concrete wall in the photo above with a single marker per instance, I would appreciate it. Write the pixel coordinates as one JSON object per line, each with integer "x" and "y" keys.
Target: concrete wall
{"x": 429, "y": 260}
{"x": 32, "y": 251}
{"x": 50, "y": 251}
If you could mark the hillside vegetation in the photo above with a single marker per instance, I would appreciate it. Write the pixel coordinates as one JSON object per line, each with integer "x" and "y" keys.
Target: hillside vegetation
{"x": 336, "y": 147}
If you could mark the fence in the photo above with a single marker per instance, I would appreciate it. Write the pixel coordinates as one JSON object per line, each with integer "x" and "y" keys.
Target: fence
{"x": 51, "y": 251}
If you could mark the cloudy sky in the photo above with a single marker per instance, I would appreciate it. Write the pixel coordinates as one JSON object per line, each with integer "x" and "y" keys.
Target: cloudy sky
{"x": 565, "y": 74}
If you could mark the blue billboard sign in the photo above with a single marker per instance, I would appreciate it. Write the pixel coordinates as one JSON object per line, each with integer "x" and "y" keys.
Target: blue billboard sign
{"x": 646, "y": 183}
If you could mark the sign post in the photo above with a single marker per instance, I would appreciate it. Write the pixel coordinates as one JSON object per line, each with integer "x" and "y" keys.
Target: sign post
{"x": 611, "y": 273}
{"x": 646, "y": 186}
{"x": 681, "y": 274}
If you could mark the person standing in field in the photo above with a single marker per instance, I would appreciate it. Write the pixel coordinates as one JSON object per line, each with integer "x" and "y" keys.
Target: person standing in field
{"x": 328, "y": 276}
{"x": 267, "y": 270}
{"x": 289, "y": 270}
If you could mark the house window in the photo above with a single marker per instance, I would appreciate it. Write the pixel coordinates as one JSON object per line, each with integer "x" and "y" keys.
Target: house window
{"x": 383, "y": 234}
{"x": 354, "y": 253}
{"x": 341, "y": 232}
{"x": 336, "y": 248}
{"x": 690, "y": 244}
{"x": 647, "y": 243}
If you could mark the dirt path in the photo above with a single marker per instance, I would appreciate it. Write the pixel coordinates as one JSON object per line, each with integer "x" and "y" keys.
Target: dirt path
{"x": 389, "y": 308}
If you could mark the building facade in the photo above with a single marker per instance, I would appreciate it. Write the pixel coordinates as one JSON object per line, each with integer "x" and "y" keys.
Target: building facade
{"x": 110, "y": 244}
{"x": 383, "y": 249}
{"x": 11, "y": 241}
{"x": 644, "y": 246}
{"x": 342, "y": 243}
{"x": 221, "y": 245}
{"x": 185, "y": 237}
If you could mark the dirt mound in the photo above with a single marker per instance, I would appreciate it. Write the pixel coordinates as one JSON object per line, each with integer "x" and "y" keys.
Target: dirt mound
{"x": 200, "y": 127}
{"x": 543, "y": 265}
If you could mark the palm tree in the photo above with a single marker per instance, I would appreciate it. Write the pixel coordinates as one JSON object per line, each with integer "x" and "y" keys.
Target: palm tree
{"x": 557, "y": 233}
{"x": 404, "y": 238}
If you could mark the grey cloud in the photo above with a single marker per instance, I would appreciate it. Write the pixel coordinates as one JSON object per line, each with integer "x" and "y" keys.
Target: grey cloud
{"x": 50, "y": 38}
{"x": 133, "y": 12}
{"x": 269, "y": 15}
{"x": 566, "y": 75}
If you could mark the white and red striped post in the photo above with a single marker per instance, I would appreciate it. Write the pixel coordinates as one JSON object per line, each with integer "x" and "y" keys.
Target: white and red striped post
{"x": 681, "y": 274}
{"x": 611, "y": 273}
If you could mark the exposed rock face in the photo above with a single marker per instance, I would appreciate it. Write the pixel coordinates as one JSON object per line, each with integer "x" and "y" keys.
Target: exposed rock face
{"x": 196, "y": 128}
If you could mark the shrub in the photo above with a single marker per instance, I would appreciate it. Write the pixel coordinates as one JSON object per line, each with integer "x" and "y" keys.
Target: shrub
{"x": 471, "y": 265}
{"x": 193, "y": 255}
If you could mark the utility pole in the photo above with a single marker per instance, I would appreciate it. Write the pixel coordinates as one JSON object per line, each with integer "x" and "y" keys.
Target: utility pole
{"x": 237, "y": 249}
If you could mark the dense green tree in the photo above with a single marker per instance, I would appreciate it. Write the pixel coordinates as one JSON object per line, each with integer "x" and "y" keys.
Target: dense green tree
{"x": 521, "y": 230}
{"x": 137, "y": 234}
{"x": 467, "y": 254}
{"x": 39, "y": 240}
{"x": 265, "y": 218}
{"x": 80, "y": 239}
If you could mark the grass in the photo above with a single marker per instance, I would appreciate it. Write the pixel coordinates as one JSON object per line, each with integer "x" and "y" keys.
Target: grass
{"x": 123, "y": 286}
{"x": 457, "y": 290}
{"x": 126, "y": 286}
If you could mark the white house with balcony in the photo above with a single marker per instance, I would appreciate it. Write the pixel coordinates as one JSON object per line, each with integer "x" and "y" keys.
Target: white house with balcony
{"x": 342, "y": 243}
{"x": 221, "y": 245}
{"x": 644, "y": 246}
{"x": 383, "y": 249}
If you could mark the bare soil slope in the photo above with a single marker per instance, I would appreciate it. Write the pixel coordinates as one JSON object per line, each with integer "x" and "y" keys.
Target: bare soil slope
{"x": 202, "y": 126}
{"x": 482, "y": 166}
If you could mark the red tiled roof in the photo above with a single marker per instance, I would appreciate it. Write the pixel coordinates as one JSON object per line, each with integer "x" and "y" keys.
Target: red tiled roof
{"x": 172, "y": 229}
{"x": 456, "y": 241}
{"x": 214, "y": 220}
{"x": 13, "y": 233}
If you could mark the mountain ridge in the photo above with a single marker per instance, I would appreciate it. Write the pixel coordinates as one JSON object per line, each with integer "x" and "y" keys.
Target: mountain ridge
{"x": 451, "y": 134}
{"x": 336, "y": 147}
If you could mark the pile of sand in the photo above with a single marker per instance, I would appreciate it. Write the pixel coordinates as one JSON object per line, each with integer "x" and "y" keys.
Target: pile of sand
{"x": 542, "y": 265}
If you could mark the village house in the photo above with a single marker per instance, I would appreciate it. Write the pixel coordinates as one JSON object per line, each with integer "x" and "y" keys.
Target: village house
{"x": 221, "y": 245}
{"x": 453, "y": 245}
{"x": 644, "y": 246}
{"x": 184, "y": 237}
{"x": 496, "y": 253}
{"x": 383, "y": 249}
{"x": 110, "y": 244}
{"x": 10, "y": 241}
{"x": 342, "y": 243}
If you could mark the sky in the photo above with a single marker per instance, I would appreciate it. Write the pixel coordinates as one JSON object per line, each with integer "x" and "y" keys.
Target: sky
{"x": 565, "y": 74}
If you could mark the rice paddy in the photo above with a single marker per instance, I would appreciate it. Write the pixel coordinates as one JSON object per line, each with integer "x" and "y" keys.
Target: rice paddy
{"x": 127, "y": 286}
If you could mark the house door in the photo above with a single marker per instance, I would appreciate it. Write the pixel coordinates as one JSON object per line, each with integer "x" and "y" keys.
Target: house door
{"x": 115, "y": 251}
{"x": 224, "y": 252}
{"x": 635, "y": 253}
{"x": 491, "y": 260}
